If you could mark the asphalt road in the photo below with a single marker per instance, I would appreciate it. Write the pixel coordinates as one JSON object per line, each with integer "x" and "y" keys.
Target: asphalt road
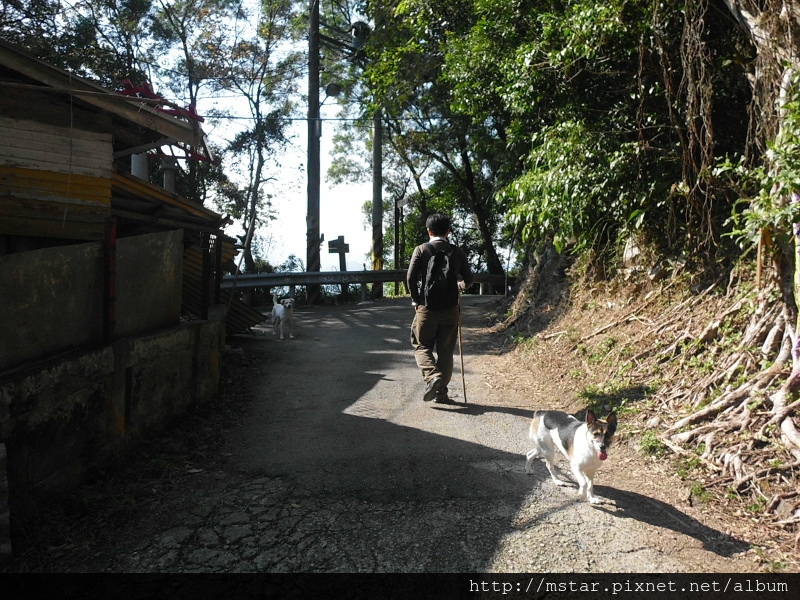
{"x": 339, "y": 466}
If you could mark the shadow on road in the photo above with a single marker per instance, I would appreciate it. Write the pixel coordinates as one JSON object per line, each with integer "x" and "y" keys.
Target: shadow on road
{"x": 630, "y": 505}
{"x": 476, "y": 410}
{"x": 391, "y": 484}
{"x": 334, "y": 464}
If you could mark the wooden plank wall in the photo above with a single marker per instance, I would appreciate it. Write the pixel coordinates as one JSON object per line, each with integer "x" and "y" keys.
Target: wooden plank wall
{"x": 49, "y": 204}
{"x": 54, "y": 181}
{"x": 64, "y": 149}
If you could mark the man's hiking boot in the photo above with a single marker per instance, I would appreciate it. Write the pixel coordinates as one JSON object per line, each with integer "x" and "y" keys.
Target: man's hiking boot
{"x": 434, "y": 386}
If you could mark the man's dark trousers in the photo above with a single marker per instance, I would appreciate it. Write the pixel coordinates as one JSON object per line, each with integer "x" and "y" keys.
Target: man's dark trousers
{"x": 435, "y": 330}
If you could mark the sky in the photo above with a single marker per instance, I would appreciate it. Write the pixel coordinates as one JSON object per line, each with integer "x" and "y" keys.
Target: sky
{"x": 340, "y": 209}
{"x": 340, "y": 206}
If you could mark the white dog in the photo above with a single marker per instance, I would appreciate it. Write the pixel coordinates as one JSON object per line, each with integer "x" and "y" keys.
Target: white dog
{"x": 585, "y": 444}
{"x": 282, "y": 312}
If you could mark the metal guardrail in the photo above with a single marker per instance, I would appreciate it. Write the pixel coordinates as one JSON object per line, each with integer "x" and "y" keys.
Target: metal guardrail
{"x": 259, "y": 280}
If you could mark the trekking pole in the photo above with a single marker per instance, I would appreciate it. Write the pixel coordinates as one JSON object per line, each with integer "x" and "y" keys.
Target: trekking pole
{"x": 461, "y": 351}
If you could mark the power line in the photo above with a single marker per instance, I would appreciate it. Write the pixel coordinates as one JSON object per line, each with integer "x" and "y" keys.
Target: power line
{"x": 367, "y": 122}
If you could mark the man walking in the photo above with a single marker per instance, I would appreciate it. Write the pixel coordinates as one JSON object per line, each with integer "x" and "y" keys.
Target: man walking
{"x": 436, "y": 273}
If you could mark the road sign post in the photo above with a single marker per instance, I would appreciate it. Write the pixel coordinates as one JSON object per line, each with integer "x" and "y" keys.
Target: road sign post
{"x": 339, "y": 247}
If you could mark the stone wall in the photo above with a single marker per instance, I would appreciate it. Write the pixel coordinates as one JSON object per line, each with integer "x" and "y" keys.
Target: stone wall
{"x": 65, "y": 417}
{"x": 5, "y": 532}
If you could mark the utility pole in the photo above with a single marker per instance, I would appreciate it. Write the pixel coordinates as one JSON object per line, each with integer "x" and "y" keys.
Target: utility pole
{"x": 399, "y": 203}
{"x": 377, "y": 198}
{"x": 314, "y": 126}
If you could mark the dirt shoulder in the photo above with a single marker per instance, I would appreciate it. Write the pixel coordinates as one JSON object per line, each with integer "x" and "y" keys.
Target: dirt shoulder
{"x": 564, "y": 365}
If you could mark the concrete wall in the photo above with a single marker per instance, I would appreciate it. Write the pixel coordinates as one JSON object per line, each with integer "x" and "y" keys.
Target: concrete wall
{"x": 52, "y": 299}
{"x": 64, "y": 418}
{"x": 149, "y": 282}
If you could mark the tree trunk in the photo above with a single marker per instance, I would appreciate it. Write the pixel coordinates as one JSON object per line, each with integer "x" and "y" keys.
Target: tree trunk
{"x": 493, "y": 263}
{"x": 774, "y": 29}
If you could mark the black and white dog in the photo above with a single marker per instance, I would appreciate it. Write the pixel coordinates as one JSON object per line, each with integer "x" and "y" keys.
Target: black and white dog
{"x": 585, "y": 444}
{"x": 282, "y": 313}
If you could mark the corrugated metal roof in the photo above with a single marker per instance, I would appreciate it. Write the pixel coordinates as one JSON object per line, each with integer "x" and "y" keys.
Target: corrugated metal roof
{"x": 139, "y": 200}
{"x": 238, "y": 316}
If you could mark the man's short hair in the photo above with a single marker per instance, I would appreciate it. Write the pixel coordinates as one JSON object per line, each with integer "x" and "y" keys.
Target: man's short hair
{"x": 438, "y": 224}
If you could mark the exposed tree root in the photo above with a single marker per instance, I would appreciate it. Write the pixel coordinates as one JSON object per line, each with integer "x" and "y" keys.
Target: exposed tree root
{"x": 729, "y": 388}
{"x": 723, "y": 365}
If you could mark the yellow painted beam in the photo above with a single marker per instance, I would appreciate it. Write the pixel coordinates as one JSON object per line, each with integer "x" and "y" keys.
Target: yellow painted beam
{"x": 52, "y": 186}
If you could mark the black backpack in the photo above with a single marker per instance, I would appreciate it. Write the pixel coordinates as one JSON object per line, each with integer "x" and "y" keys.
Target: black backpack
{"x": 440, "y": 285}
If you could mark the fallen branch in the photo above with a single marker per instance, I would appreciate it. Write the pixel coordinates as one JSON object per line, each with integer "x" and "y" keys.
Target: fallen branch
{"x": 627, "y": 319}
{"x": 555, "y": 334}
{"x": 713, "y": 409}
{"x": 683, "y": 452}
{"x": 778, "y": 498}
{"x": 757, "y": 475}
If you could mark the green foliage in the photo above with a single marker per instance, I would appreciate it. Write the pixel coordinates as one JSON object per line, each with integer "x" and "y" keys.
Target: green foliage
{"x": 560, "y": 82}
{"x": 524, "y": 341}
{"x": 600, "y": 352}
{"x": 576, "y": 187}
{"x": 687, "y": 465}
{"x": 770, "y": 190}
{"x": 292, "y": 264}
{"x": 451, "y": 158}
{"x": 586, "y": 101}
{"x": 569, "y": 83}
{"x": 585, "y": 32}
{"x": 701, "y": 493}
{"x": 651, "y": 445}
{"x": 758, "y": 505}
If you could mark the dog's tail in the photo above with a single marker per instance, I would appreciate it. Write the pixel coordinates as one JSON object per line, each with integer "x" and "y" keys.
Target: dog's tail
{"x": 274, "y": 298}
